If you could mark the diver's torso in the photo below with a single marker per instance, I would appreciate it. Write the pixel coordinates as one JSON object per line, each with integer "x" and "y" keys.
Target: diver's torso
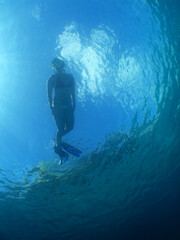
{"x": 63, "y": 89}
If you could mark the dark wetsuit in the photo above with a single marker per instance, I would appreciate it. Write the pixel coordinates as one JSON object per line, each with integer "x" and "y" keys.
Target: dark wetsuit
{"x": 62, "y": 105}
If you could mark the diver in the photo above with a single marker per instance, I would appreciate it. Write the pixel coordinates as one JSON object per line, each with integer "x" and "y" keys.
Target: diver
{"x": 62, "y": 105}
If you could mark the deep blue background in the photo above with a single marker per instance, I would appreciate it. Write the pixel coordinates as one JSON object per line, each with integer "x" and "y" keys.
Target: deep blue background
{"x": 124, "y": 56}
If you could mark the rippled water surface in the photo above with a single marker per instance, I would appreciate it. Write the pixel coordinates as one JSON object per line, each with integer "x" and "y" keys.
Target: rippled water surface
{"x": 124, "y": 56}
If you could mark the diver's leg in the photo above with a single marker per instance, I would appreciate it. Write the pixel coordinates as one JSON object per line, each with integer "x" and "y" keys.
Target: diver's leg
{"x": 59, "y": 118}
{"x": 69, "y": 120}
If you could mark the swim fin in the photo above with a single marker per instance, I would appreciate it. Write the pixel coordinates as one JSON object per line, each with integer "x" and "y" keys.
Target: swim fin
{"x": 71, "y": 149}
{"x": 63, "y": 155}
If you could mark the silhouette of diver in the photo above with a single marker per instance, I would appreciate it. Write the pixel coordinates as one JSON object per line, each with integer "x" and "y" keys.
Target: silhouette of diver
{"x": 63, "y": 103}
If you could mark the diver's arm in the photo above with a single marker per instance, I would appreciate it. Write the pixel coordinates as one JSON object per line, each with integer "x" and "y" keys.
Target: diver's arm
{"x": 50, "y": 85}
{"x": 73, "y": 94}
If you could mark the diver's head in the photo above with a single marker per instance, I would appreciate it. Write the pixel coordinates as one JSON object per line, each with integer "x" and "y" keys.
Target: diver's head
{"x": 58, "y": 64}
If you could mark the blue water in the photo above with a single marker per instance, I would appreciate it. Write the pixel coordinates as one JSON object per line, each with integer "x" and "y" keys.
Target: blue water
{"x": 124, "y": 56}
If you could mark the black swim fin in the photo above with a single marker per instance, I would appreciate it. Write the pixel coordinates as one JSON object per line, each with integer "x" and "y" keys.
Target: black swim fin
{"x": 63, "y": 155}
{"x": 71, "y": 149}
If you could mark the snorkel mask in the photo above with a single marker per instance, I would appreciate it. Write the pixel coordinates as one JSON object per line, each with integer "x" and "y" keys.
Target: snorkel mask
{"x": 57, "y": 64}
